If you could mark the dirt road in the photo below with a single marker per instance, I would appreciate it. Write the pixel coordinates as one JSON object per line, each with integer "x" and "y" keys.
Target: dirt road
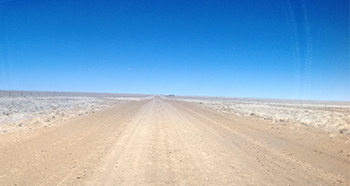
{"x": 166, "y": 142}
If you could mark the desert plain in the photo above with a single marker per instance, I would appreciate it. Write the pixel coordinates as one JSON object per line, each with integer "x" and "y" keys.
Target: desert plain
{"x": 49, "y": 138}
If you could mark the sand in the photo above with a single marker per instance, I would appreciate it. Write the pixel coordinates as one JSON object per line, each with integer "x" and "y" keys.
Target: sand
{"x": 160, "y": 141}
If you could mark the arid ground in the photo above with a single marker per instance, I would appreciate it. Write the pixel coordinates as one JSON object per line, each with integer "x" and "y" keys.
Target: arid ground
{"x": 163, "y": 141}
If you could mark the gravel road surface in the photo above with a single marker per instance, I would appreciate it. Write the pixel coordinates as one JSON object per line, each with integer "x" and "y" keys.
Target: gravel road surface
{"x": 168, "y": 142}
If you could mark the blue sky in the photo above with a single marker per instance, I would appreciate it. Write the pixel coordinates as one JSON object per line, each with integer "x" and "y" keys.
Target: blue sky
{"x": 280, "y": 49}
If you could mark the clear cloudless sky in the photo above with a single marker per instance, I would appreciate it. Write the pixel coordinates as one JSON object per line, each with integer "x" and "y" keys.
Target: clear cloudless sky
{"x": 289, "y": 49}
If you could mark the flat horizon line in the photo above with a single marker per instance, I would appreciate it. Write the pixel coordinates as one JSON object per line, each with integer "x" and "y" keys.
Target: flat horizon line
{"x": 39, "y": 93}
